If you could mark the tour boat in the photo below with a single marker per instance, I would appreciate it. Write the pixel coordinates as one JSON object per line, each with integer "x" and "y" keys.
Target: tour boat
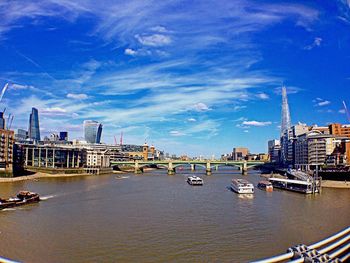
{"x": 22, "y": 198}
{"x": 265, "y": 185}
{"x": 195, "y": 180}
{"x": 241, "y": 186}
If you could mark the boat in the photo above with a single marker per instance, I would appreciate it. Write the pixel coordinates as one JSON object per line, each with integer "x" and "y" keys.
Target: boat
{"x": 305, "y": 187}
{"x": 194, "y": 180}
{"x": 242, "y": 186}
{"x": 22, "y": 198}
{"x": 265, "y": 185}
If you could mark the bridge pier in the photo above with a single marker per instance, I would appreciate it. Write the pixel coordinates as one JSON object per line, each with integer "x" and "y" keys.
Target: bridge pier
{"x": 244, "y": 168}
{"x": 208, "y": 169}
{"x": 171, "y": 169}
{"x": 193, "y": 167}
{"x": 137, "y": 168}
{"x": 216, "y": 167}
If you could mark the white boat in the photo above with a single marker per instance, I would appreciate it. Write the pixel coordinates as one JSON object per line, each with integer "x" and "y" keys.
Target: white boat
{"x": 241, "y": 186}
{"x": 195, "y": 180}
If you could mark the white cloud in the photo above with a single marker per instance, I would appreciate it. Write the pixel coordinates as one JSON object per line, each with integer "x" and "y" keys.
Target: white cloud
{"x": 53, "y": 111}
{"x": 154, "y": 40}
{"x": 15, "y": 86}
{"x": 80, "y": 96}
{"x": 324, "y": 103}
{"x": 130, "y": 52}
{"x": 176, "y": 133}
{"x": 191, "y": 120}
{"x": 317, "y": 42}
{"x": 342, "y": 111}
{"x": 263, "y": 96}
{"x": 160, "y": 29}
{"x": 257, "y": 123}
{"x": 201, "y": 107}
{"x": 239, "y": 107}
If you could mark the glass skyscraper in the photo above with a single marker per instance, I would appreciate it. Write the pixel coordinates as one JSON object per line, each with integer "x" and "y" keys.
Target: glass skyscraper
{"x": 92, "y": 131}
{"x": 34, "y": 131}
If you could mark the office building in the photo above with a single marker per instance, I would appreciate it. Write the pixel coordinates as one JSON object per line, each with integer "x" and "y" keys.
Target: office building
{"x": 274, "y": 150}
{"x": 92, "y": 131}
{"x": 342, "y": 130}
{"x": 21, "y": 135}
{"x": 2, "y": 121}
{"x": 63, "y": 136}
{"x": 34, "y": 130}
{"x": 7, "y": 139}
{"x": 239, "y": 154}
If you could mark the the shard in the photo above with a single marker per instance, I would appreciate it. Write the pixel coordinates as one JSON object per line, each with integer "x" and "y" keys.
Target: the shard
{"x": 285, "y": 125}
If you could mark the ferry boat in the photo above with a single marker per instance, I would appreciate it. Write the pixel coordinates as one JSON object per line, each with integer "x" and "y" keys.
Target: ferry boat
{"x": 194, "y": 180}
{"x": 241, "y": 186}
{"x": 265, "y": 185}
{"x": 305, "y": 187}
{"x": 22, "y": 198}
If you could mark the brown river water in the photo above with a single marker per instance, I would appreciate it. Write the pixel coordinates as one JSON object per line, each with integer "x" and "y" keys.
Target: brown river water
{"x": 159, "y": 218}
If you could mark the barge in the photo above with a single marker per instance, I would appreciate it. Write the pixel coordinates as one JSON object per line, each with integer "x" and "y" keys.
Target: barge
{"x": 300, "y": 186}
{"x": 22, "y": 198}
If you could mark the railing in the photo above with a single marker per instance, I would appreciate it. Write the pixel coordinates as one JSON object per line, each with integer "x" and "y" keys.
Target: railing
{"x": 333, "y": 249}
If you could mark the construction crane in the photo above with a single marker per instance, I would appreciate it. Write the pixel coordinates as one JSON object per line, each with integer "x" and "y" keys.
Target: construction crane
{"x": 8, "y": 121}
{"x": 3, "y": 91}
{"x": 10, "y": 124}
{"x": 346, "y": 111}
{"x": 115, "y": 140}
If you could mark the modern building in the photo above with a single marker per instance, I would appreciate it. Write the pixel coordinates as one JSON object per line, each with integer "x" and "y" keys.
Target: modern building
{"x": 240, "y": 153}
{"x": 53, "y": 157}
{"x": 92, "y": 131}
{"x": 21, "y": 135}
{"x": 342, "y": 130}
{"x": 34, "y": 129}
{"x": 63, "y": 136}
{"x": 274, "y": 150}
{"x": 314, "y": 149}
{"x": 2, "y": 121}
{"x": 7, "y": 139}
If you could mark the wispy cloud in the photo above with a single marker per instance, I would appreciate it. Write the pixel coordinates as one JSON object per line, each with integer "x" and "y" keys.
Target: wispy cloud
{"x": 79, "y": 96}
{"x": 317, "y": 42}
{"x": 256, "y": 123}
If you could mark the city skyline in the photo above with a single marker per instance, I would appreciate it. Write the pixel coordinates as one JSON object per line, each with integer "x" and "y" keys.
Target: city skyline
{"x": 193, "y": 79}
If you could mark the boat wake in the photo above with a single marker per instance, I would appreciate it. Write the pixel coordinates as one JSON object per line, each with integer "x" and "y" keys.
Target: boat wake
{"x": 47, "y": 197}
{"x": 122, "y": 177}
{"x": 8, "y": 209}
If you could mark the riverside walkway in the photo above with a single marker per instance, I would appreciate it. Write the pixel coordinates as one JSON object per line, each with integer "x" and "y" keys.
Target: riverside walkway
{"x": 171, "y": 165}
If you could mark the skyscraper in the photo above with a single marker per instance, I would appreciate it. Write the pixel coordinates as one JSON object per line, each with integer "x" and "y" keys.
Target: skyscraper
{"x": 2, "y": 121}
{"x": 92, "y": 131}
{"x": 286, "y": 136}
{"x": 285, "y": 125}
{"x": 34, "y": 131}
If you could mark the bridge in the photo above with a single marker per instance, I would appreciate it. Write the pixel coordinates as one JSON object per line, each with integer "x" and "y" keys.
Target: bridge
{"x": 171, "y": 165}
{"x": 334, "y": 249}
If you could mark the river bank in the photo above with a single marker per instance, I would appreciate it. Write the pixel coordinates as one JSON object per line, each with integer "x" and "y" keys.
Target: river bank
{"x": 37, "y": 176}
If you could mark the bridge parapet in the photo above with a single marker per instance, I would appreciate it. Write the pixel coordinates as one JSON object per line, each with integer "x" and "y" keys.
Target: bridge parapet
{"x": 333, "y": 249}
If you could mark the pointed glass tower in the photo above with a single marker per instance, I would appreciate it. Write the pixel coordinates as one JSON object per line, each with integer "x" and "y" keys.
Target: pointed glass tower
{"x": 285, "y": 121}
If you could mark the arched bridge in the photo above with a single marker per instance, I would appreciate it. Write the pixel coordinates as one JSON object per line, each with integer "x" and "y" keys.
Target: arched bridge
{"x": 171, "y": 165}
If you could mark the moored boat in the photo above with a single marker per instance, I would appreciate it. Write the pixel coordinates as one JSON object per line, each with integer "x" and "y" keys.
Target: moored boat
{"x": 242, "y": 186}
{"x": 265, "y": 185}
{"x": 22, "y": 198}
{"x": 194, "y": 180}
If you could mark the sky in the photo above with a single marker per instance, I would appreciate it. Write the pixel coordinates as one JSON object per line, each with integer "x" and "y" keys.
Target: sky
{"x": 190, "y": 77}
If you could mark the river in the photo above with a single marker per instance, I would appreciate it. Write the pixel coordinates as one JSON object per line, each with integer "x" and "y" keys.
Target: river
{"x": 159, "y": 218}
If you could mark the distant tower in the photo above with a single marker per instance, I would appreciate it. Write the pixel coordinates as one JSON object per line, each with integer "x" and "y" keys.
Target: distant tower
{"x": 92, "y": 131}
{"x": 34, "y": 131}
{"x": 285, "y": 125}
{"x": 145, "y": 151}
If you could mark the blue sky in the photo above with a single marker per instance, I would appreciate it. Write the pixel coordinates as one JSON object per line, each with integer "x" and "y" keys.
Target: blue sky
{"x": 191, "y": 77}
